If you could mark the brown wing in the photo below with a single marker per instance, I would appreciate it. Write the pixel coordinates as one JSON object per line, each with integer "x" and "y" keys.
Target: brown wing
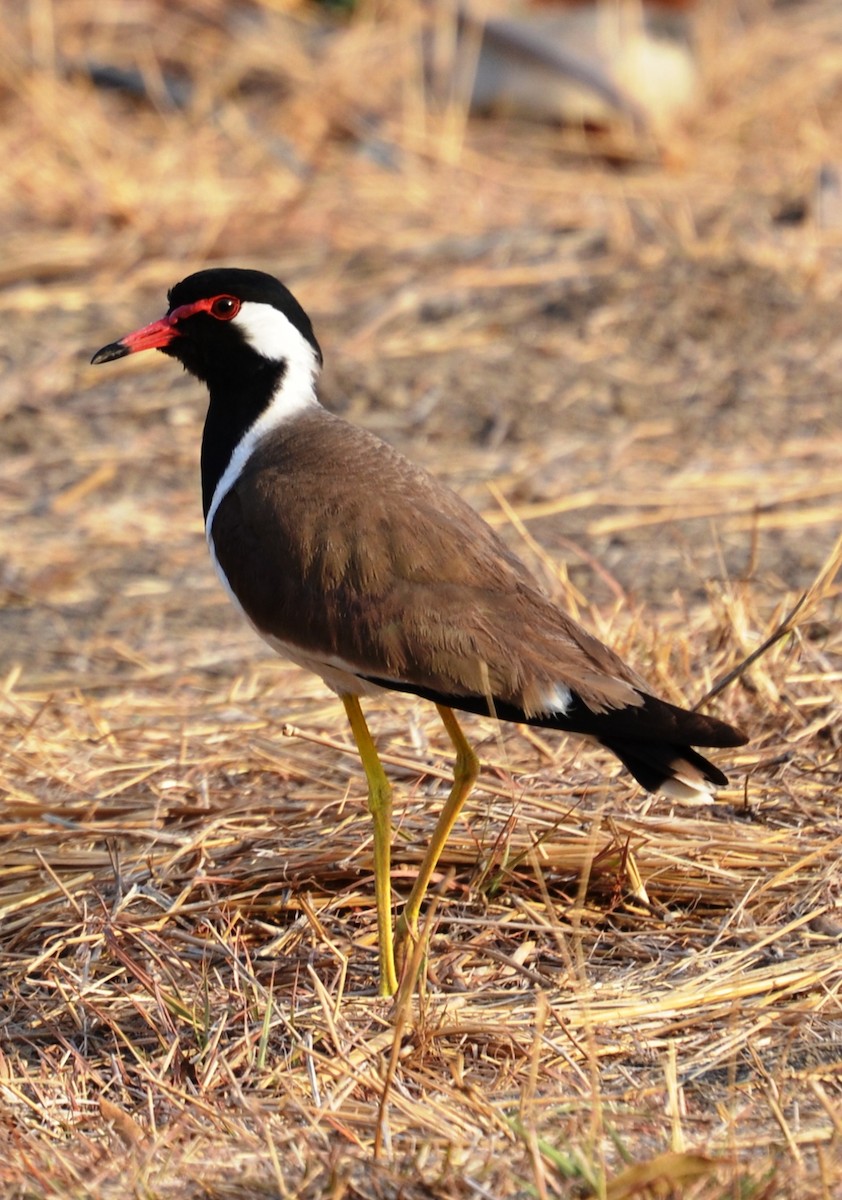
{"x": 367, "y": 558}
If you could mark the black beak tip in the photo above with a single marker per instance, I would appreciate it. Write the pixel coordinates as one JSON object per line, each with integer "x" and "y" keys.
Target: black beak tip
{"x": 109, "y": 353}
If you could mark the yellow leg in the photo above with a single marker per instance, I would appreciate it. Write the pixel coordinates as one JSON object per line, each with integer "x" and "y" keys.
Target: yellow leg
{"x": 380, "y": 807}
{"x": 465, "y": 773}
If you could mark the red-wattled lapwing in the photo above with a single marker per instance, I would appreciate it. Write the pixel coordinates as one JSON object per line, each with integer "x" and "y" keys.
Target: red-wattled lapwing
{"x": 361, "y": 567}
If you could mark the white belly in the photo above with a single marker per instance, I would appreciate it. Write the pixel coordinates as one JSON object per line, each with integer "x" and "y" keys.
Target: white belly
{"x": 339, "y": 675}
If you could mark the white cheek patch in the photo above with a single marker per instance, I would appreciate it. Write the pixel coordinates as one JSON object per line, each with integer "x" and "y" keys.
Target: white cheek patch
{"x": 267, "y": 330}
{"x": 272, "y": 335}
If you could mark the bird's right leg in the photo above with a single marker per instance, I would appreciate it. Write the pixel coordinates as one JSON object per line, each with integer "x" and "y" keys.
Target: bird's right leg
{"x": 380, "y": 807}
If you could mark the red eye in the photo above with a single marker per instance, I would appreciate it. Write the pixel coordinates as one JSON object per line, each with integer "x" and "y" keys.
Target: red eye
{"x": 224, "y": 307}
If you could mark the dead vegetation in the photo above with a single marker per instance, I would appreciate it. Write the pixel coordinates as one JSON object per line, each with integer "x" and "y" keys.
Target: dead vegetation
{"x": 624, "y": 998}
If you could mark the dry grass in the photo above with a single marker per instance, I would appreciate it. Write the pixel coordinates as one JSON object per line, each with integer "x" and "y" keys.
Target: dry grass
{"x": 623, "y": 999}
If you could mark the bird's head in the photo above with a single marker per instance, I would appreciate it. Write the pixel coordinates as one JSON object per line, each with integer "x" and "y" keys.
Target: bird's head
{"x": 228, "y": 323}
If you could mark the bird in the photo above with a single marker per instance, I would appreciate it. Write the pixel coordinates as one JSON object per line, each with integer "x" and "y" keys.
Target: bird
{"x": 363, "y": 568}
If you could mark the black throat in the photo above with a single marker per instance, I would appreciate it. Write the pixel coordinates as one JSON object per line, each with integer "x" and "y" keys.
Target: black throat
{"x": 234, "y": 406}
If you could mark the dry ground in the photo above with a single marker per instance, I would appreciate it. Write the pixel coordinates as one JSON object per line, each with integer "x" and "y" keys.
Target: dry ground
{"x": 640, "y": 345}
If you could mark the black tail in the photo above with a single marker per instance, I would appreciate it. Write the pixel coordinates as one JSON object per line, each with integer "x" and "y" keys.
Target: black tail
{"x": 677, "y": 771}
{"x": 654, "y": 739}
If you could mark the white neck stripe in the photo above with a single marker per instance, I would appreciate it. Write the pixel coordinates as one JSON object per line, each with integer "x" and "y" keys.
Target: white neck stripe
{"x": 272, "y": 335}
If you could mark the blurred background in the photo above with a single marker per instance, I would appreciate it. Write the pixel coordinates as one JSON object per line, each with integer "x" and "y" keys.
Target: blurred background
{"x": 584, "y": 262}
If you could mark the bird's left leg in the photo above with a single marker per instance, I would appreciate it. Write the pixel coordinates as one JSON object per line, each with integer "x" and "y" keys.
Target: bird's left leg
{"x": 465, "y": 772}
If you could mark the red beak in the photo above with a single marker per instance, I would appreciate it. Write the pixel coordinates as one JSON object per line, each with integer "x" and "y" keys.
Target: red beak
{"x": 151, "y": 337}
